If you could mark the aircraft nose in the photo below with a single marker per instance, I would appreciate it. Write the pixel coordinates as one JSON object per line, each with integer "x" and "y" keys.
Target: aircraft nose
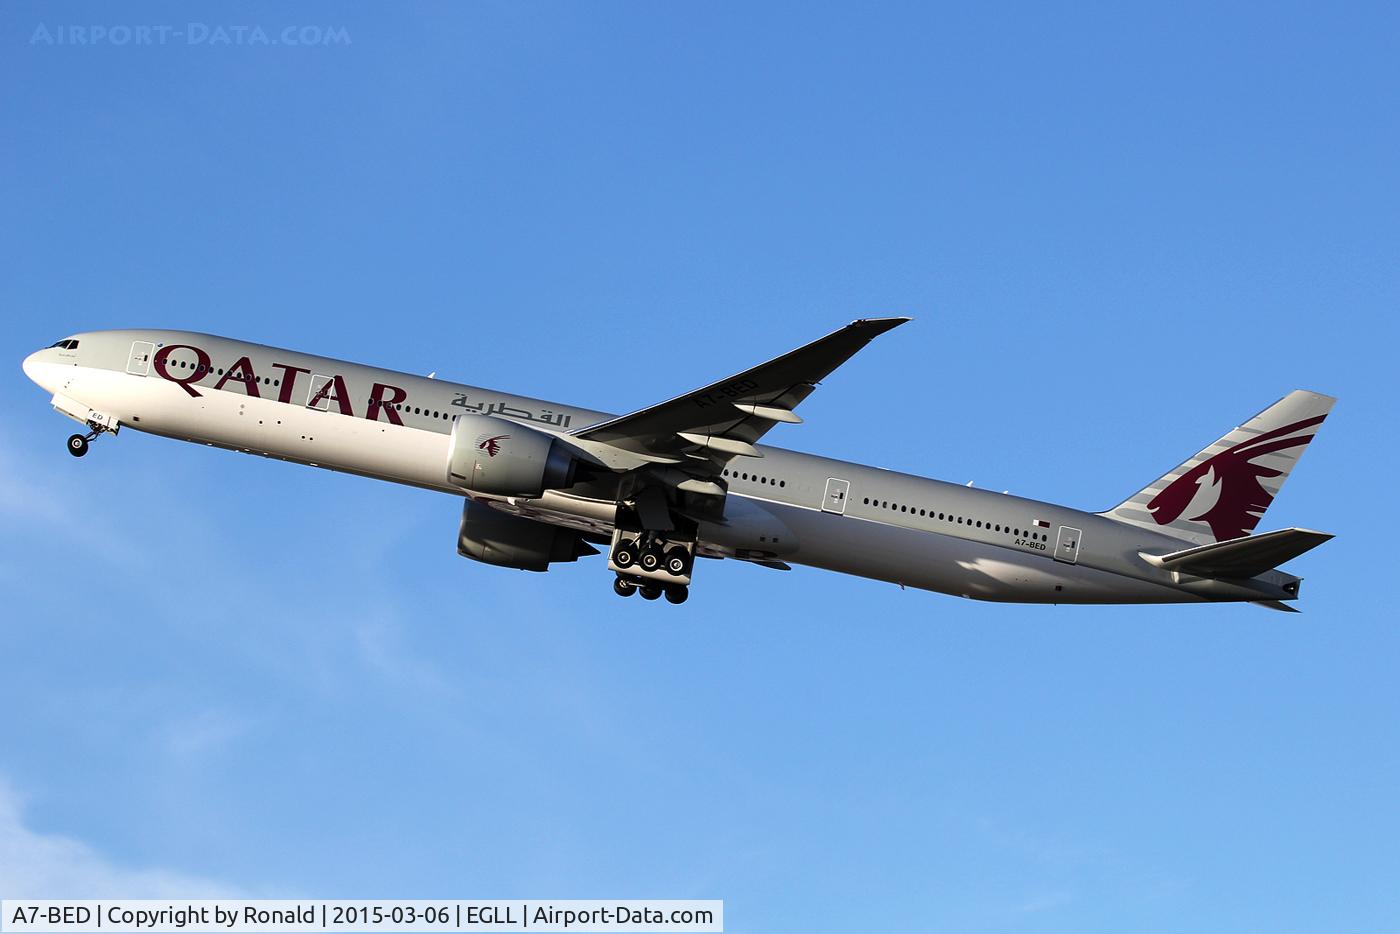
{"x": 39, "y": 370}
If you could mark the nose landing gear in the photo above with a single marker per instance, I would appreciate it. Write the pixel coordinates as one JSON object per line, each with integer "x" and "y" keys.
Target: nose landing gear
{"x": 96, "y": 423}
{"x": 78, "y": 444}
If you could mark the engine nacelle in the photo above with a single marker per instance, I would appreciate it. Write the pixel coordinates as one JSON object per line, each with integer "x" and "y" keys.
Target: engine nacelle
{"x": 499, "y": 538}
{"x": 492, "y": 455}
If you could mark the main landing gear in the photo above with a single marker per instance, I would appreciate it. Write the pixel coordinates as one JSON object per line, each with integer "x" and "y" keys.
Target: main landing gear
{"x": 652, "y": 563}
{"x": 675, "y": 593}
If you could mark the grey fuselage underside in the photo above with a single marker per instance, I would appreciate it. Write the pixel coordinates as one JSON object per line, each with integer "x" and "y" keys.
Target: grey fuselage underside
{"x": 890, "y": 528}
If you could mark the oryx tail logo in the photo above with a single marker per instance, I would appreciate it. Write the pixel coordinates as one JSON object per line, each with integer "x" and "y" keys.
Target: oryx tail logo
{"x": 491, "y": 445}
{"x": 1240, "y": 496}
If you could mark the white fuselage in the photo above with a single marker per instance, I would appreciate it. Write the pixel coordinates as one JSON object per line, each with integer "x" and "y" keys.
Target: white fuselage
{"x": 783, "y": 507}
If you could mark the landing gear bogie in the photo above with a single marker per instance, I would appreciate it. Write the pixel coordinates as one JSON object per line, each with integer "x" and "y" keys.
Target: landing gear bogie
{"x": 655, "y": 562}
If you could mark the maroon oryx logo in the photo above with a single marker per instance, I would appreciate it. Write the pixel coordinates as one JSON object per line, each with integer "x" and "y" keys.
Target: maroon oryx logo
{"x": 1241, "y": 499}
{"x": 491, "y": 445}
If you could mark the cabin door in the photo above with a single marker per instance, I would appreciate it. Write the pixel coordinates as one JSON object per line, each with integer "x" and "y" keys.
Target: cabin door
{"x": 835, "y": 499}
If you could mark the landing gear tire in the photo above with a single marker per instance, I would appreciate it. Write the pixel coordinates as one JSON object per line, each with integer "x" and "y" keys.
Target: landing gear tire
{"x": 77, "y": 445}
{"x": 675, "y": 562}
{"x": 649, "y": 591}
{"x": 625, "y": 557}
{"x": 651, "y": 559}
{"x": 677, "y": 595}
{"x": 624, "y": 588}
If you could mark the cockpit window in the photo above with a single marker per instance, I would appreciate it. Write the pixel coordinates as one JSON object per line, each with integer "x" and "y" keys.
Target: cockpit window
{"x": 68, "y": 344}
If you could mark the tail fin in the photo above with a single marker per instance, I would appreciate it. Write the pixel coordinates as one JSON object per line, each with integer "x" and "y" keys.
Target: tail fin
{"x": 1222, "y": 492}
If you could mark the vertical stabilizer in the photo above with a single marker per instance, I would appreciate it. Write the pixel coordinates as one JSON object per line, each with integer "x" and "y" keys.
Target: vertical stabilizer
{"x": 1222, "y": 492}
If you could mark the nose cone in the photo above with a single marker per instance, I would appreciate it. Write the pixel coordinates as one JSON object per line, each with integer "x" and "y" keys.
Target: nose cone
{"x": 40, "y": 371}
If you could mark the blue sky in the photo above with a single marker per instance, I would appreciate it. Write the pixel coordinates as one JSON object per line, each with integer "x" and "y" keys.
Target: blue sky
{"x": 1121, "y": 231}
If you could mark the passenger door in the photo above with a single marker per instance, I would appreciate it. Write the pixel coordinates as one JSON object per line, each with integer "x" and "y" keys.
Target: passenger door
{"x": 318, "y": 382}
{"x": 139, "y": 363}
{"x": 835, "y": 498}
{"x": 1067, "y": 545}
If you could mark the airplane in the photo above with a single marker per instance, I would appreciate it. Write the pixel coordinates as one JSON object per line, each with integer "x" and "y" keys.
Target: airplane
{"x": 546, "y": 482}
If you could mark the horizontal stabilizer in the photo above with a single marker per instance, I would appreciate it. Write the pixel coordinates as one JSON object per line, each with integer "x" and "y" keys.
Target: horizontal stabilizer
{"x": 1244, "y": 557}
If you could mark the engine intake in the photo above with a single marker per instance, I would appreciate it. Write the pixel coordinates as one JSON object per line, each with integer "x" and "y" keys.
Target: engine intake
{"x": 504, "y": 458}
{"x": 498, "y": 538}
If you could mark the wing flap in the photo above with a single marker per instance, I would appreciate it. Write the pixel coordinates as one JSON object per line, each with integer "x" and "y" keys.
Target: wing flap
{"x": 1244, "y": 557}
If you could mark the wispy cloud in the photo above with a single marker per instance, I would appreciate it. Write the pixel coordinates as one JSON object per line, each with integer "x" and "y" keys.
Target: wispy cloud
{"x": 39, "y": 865}
{"x": 31, "y": 502}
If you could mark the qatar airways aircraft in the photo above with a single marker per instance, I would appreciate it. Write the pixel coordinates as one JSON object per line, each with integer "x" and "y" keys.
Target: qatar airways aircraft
{"x": 544, "y": 482}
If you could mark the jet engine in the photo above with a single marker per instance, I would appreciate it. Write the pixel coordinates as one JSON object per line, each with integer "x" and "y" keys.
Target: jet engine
{"x": 504, "y": 458}
{"x": 498, "y": 538}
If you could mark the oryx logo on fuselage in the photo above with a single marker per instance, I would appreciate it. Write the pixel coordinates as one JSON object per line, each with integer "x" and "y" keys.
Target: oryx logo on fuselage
{"x": 1241, "y": 499}
{"x": 491, "y": 445}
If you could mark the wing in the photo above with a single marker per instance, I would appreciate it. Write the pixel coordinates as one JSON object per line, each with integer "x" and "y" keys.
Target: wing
{"x": 726, "y": 418}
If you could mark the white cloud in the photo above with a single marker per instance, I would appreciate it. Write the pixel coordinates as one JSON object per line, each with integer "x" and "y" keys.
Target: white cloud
{"x": 39, "y": 865}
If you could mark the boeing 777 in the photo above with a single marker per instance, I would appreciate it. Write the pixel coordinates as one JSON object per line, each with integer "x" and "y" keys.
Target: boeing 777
{"x": 546, "y": 482}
